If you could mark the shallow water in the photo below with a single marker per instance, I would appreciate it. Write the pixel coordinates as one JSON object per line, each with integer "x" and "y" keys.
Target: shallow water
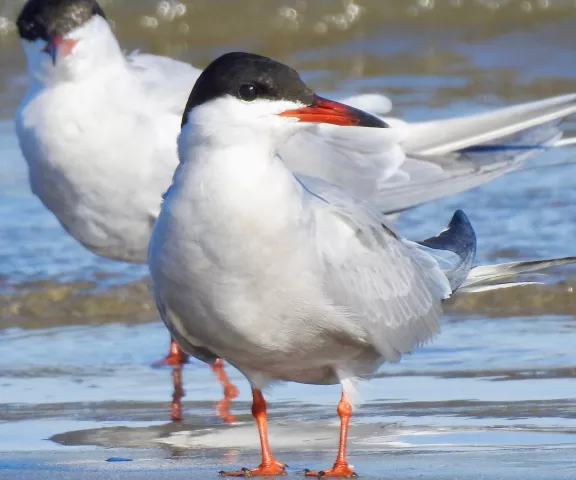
{"x": 78, "y": 342}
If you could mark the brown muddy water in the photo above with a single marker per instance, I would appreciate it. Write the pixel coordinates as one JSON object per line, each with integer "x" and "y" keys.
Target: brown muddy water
{"x": 493, "y": 397}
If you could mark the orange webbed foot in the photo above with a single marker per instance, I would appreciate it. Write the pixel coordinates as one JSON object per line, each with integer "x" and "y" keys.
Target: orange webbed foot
{"x": 275, "y": 468}
{"x": 337, "y": 471}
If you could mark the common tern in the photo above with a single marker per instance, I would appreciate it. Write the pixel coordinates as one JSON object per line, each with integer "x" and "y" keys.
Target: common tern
{"x": 285, "y": 276}
{"x": 98, "y": 130}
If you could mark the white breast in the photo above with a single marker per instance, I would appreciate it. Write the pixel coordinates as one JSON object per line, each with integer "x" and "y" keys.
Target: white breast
{"x": 93, "y": 161}
{"x": 235, "y": 263}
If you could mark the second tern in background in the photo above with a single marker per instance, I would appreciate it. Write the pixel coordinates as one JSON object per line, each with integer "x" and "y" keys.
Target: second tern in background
{"x": 98, "y": 130}
{"x": 287, "y": 277}
{"x": 99, "y": 138}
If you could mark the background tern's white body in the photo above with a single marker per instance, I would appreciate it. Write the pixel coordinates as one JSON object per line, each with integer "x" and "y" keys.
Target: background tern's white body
{"x": 101, "y": 149}
{"x": 99, "y": 135}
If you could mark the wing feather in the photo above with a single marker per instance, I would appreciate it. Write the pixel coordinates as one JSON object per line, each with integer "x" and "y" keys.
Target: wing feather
{"x": 169, "y": 80}
{"x": 413, "y": 163}
{"x": 389, "y": 284}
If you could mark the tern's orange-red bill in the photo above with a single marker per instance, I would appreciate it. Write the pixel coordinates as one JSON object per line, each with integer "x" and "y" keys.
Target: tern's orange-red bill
{"x": 323, "y": 110}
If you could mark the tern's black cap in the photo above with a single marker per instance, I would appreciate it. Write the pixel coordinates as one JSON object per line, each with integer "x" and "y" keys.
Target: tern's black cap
{"x": 42, "y": 18}
{"x": 248, "y": 76}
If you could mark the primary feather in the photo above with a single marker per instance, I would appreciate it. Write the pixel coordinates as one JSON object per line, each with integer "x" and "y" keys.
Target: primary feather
{"x": 421, "y": 162}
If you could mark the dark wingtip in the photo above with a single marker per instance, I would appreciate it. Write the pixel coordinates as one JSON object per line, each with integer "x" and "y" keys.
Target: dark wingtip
{"x": 460, "y": 229}
{"x": 461, "y": 222}
{"x": 459, "y": 238}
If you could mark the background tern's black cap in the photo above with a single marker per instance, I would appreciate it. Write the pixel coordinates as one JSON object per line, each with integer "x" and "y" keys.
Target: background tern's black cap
{"x": 43, "y": 18}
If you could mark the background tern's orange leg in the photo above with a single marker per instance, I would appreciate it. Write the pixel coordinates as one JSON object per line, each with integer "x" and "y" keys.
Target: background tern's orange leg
{"x": 175, "y": 358}
{"x": 230, "y": 392}
{"x": 176, "y": 408}
{"x": 269, "y": 465}
{"x": 340, "y": 468}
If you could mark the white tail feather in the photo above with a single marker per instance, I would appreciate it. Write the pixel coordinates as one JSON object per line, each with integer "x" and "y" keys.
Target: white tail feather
{"x": 506, "y": 275}
{"x": 564, "y": 142}
{"x": 440, "y": 137}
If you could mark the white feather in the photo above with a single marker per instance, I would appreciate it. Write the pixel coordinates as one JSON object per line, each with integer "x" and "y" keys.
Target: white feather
{"x": 505, "y": 275}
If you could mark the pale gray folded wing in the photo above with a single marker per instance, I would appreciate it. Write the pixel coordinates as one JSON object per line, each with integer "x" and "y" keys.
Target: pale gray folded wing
{"x": 358, "y": 159}
{"x": 166, "y": 79}
{"x": 410, "y": 164}
{"x": 445, "y": 157}
{"x": 392, "y": 287}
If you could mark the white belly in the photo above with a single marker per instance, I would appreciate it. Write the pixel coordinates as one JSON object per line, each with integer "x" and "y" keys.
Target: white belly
{"x": 88, "y": 174}
{"x": 256, "y": 300}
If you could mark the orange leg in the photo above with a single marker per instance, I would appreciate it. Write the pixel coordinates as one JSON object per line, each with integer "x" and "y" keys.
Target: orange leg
{"x": 176, "y": 358}
{"x": 340, "y": 468}
{"x": 230, "y": 392}
{"x": 176, "y": 407}
{"x": 269, "y": 465}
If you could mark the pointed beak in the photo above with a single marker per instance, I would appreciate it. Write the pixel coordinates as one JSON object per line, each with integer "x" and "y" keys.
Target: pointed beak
{"x": 58, "y": 46}
{"x": 323, "y": 110}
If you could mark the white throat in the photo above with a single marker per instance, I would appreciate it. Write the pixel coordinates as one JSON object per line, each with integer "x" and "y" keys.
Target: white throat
{"x": 236, "y": 188}
{"x": 96, "y": 48}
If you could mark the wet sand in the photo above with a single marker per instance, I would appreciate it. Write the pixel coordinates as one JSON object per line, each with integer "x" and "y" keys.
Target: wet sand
{"x": 199, "y": 447}
{"x": 435, "y": 463}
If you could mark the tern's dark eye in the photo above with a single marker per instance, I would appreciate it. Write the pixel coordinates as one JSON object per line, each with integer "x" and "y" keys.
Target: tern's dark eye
{"x": 248, "y": 92}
